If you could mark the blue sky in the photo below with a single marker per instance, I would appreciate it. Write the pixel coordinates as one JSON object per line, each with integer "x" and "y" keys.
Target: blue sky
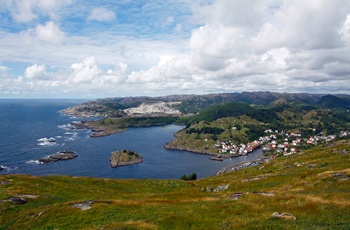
{"x": 105, "y": 48}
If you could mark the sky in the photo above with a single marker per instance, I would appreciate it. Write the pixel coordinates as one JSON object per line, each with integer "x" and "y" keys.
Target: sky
{"x": 107, "y": 48}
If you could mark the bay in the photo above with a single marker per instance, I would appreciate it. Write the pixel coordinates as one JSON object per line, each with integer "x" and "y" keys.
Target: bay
{"x": 25, "y": 126}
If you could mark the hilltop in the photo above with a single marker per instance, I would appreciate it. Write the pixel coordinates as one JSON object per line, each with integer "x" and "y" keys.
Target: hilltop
{"x": 310, "y": 187}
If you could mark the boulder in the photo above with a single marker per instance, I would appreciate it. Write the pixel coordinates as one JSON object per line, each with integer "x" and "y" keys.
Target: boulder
{"x": 236, "y": 196}
{"x": 17, "y": 200}
{"x": 284, "y": 216}
{"x": 221, "y": 188}
{"x": 83, "y": 206}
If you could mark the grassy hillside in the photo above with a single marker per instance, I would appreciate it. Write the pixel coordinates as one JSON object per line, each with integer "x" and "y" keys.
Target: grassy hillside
{"x": 241, "y": 123}
{"x": 312, "y": 185}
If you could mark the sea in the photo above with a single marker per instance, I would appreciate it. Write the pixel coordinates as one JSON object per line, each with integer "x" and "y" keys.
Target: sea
{"x": 31, "y": 129}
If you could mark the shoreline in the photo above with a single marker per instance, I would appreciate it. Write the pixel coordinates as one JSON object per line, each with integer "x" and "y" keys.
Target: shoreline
{"x": 207, "y": 153}
{"x": 244, "y": 164}
{"x": 97, "y": 130}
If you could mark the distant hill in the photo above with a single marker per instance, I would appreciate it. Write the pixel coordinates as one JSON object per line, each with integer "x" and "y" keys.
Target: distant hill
{"x": 195, "y": 103}
{"x": 331, "y": 101}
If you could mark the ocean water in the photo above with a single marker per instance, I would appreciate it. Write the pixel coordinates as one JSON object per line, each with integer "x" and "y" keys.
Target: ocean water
{"x": 26, "y": 126}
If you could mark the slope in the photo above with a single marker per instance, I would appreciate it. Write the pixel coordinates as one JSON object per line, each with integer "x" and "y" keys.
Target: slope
{"x": 313, "y": 186}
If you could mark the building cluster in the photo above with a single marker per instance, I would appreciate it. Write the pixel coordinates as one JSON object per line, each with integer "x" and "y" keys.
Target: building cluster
{"x": 276, "y": 141}
{"x": 238, "y": 150}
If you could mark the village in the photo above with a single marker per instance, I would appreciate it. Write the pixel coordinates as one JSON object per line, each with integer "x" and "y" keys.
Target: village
{"x": 276, "y": 143}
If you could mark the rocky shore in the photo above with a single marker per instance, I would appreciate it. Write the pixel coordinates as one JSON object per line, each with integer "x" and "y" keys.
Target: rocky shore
{"x": 187, "y": 149}
{"x": 59, "y": 156}
{"x": 98, "y": 130}
{"x": 124, "y": 158}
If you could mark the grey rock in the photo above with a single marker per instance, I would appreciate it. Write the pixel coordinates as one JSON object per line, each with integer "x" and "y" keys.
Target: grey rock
{"x": 17, "y": 200}
{"x": 221, "y": 188}
{"x": 284, "y": 216}
{"x": 83, "y": 206}
{"x": 236, "y": 196}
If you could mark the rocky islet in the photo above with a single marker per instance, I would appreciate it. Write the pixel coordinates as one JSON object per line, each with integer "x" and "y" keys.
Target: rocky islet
{"x": 59, "y": 156}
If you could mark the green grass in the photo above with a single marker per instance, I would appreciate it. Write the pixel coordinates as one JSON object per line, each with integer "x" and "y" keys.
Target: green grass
{"x": 314, "y": 195}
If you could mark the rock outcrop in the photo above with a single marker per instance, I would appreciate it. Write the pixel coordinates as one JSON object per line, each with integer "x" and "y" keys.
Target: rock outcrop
{"x": 284, "y": 216}
{"x": 124, "y": 158}
{"x": 60, "y": 156}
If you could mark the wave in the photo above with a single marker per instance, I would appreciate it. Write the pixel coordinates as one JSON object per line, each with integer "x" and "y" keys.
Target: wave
{"x": 48, "y": 141}
{"x": 34, "y": 162}
{"x": 73, "y": 136}
{"x": 44, "y": 139}
{"x": 69, "y": 126}
{"x": 6, "y": 169}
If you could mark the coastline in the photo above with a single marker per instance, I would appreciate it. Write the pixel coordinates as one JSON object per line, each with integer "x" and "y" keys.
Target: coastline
{"x": 206, "y": 153}
{"x": 167, "y": 147}
{"x": 244, "y": 164}
{"x": 98, "y": 130}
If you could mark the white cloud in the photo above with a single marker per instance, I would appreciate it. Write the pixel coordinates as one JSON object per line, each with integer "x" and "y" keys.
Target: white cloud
{"x": 50, "y": 32}
{"x": 84, "y": 72}
{"x": 344, "y": 31}
{"x": 277, "y": 45}
{"x": 101, "y": 14}
{"x": 116, "y": 76}
{"x": 36, "y": 72}
{"x": 258, "y": 45}
{"x": 3, "y": 68}
{"x": 25, "y": 11}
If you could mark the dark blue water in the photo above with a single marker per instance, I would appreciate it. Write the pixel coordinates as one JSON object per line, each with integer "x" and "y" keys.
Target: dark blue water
{"x": 23, "y": 123}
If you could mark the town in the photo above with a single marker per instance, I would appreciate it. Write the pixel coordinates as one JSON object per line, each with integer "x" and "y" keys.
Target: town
{"x": 276, "y": 143}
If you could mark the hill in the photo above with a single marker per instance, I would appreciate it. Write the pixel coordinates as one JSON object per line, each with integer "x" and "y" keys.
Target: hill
{"x": 192, "y": 104}
{"x": 232, "y": 125}
{"x": 312, "y": 187}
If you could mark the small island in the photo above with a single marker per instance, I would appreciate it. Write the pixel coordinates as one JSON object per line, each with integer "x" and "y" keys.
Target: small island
{"x": 59, "y": 156}
{"x": 124, "y": 158}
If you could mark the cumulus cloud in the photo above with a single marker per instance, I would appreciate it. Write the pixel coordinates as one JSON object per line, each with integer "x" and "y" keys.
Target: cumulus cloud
{"x": 85, "y": 71}
{"x": 101, "y": 14}
{"x": 36, "y": 72}
{"x": 277, "y": 45}
{"x": 258, "y": 45}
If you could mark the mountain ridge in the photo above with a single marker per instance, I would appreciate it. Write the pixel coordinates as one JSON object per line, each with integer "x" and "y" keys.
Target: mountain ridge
{"x": 191, "y": 103}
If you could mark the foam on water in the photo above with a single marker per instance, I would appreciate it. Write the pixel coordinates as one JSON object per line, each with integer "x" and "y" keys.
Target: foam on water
{"x": 33, "y": 162}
